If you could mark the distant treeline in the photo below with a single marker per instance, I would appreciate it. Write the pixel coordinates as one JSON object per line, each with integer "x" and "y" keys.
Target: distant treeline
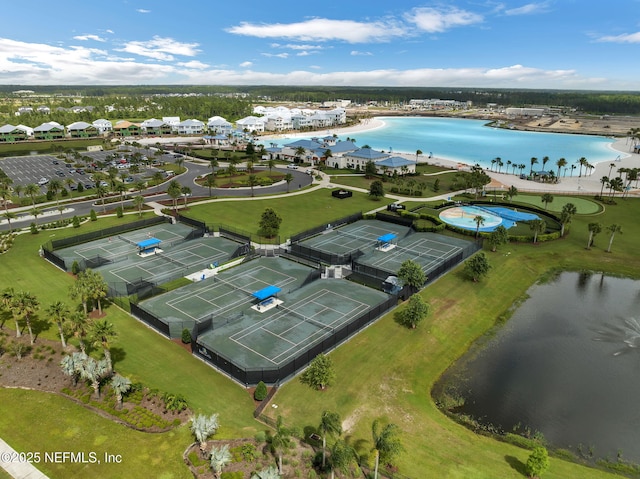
{"x": 593, "y": 102}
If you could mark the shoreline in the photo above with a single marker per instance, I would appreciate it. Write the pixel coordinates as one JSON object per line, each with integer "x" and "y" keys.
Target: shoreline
{"x": 587, "y": 183}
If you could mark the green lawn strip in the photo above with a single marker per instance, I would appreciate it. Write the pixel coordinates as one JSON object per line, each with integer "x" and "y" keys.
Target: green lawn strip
{"x": 445, "y": 183}
{"x": 46, "y": 423}
{"x": 585, "y": 206}
{"x": 407, "y": 363}
{"x": 47, "y": 147}
{"x": 299, "y": 213}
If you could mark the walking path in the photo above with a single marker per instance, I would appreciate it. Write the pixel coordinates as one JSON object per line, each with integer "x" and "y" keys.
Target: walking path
{"x": 11, "y": 462}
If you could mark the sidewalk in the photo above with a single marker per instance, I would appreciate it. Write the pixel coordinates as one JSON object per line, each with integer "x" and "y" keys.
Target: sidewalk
{"x": 10, "y": 462}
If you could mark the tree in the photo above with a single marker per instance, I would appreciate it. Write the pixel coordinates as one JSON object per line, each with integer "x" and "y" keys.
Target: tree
{"x": 174, "y": 190}
{"x": 93, "y": 216}
{"x": 538, "y": 462}
{"x": 220, "y": 457}
{"x": 120, "y": 386}
{"x": 594, "y": 229}
{"x": 260, "y": 392}
{"x": 612, "y": 230}
{"x": 604, "y": 181}
{"x": 511, "y": 192}
{"x": 568, "y": 210}
{"x": 269, "y": 223}
{"x": 280, "y": 440}
{"x": 102, "y": 191}
{"x": 271, "y": 164}
{"x": 330, "y": 425}
{"x": 78, "y": 327}
{"x": 411, "y": 274}
{"x": 210, "y": 182}
{"x": 71, "y": 365}
{"x": 288, "y": 178}
{"x": 103, "y": 333}
{"x": 24, "y": 305}
{"x": 121, "y": 188}
{"x": 320, "y": 373}
{"x": 477, "y": 266}
{"x": 94, "y": 372}
{"x": 561, "y": 163}
{"x": 386, "y": 443}
{"x": 138, "y": 203}
{"x": 415, "y": 312}
{"x": 376, "y": 190}
{"x": 534, "y": 160}
{"x": 546, "y": 199}
{"x": 479, "y": 221}
{"x": 537, "y": 226}
{"x": 32, "y": 191}
{"x": 252, "y": 181}
{"x": 9, "y": 215}
{"x": 342, "y": 456}
{"x": 55, "y": 187}
{"x": 186, "y": 192}
{"x": 369, "y": 169}
{"x": 498, "y": 236}
{"x": 202, "y": 427}
{"x": 58, "y": 313}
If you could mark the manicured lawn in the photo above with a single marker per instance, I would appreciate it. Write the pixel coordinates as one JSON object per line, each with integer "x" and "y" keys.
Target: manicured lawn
{"x": 585, "y": 206}
{"x": 299, "y": 212}
{"x": 446, "y": 180}
{"x": 385, "y": 371}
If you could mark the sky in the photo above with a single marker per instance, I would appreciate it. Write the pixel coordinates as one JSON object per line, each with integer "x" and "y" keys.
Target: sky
{"x": 550, "y": 44}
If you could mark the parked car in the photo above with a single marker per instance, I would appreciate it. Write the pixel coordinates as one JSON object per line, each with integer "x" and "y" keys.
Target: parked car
{"x": 60, "y": 173}
{"x": 68, "y": 165}
{"x": 88, "y": 186}
{"x": 80, "y": 171}
{"x": 55, "y": 162}
{"x": 292, "y": 166}
{"x": 43, "y": 181}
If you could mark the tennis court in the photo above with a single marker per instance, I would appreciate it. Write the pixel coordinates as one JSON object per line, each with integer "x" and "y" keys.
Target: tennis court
{"x": 360, "y": 235}
{"x": 308, "y": 311}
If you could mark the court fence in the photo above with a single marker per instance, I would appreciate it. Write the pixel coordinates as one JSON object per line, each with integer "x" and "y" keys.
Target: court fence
{"x": 276, "y": 375}
{"x": 319, "y": 256}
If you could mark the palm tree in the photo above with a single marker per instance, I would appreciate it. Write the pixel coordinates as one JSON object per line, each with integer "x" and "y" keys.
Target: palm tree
{"x": 102, "y": 333}
{"x": 71, "y": 365}
{"x": 122, "y": 189}
{"x": 186, "y": 192}
{"x": 280, "y": 440}
{"x": 55, "y": 187}
{"x": 120, "y": 385}
{"x": 615, "y": 185}
{"x": 299, "y": 153}
{"x": 140, "y": 186}
{"x": 545, "y": 160}
{"x": 94, "y": 371}
{"x": 561, "y": 163}
{"x": 493, "y": 162}
{"x": 25, "y": 305}
{"x": 537, "y": 226}
{"x": 32, "y": 190}
{"x": 534, "y": 160}
{"x": 331, "y": 425}
{"x": 210, "y": 181}
{"x": 568, "y": 210}
{"x": 418, "y": 153}
{"x": 582, "y": 162}
{"x": 102, "y": 191}
{"x": 58, "y": 313}
{"x": 603, "y": 181}
{"x": 271, "y": 164}
{"x": 386, "y": 444}
{"x": 511, "y": 192}
{"x": 174, "y": 190}
{"x": 594, "y": 229}
{"x": 35, "y": 212}
{"x": 546, "y": 199}
{"x": 9, "y": 215}
{"x": 611, "y": 167}
{"x": 203, "y": 427}
{"x": 479, "y": 221}
{"x": 288, "y": 178}
{"x": 220, "y": 457}
{"x": 252, "y": 181}
{"x": 613, "y": 229}
{"x": 8, "y": 296}
{"x": 138, "y": 202}
{"x": 78, "y": 325}
{"x": 342, "y": 456}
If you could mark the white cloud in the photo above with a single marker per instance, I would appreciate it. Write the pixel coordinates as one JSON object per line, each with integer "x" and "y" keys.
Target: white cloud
{"x": 293, "y": 46}
{"x": 322, "y": 29}
{"x": 110, "y": 31}
{"x": 161, "y": 48}
{"x": 356, "y": 53}
{"x": 89, "y": 37}
{"x": 528, "y": 9}
{"x": 624, "y": 38}
{"x": 195, "y": 64}
{"x": 275, "y": 55}
{"x": 142, "y": 10}
{"x": 437, "y": 20}
{"x": 246, "y": 64}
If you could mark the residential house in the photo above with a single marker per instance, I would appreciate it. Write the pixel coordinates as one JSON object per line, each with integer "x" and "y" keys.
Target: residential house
{"x": 219, "y": 126}
{"x": 82, "y": 129}
{"x": 27, "y": 129}
{"x": 278, "y": 123}
{"x": 24, "y": 110}
{"x": 49, "y": 131}
{"x": 126, "y": 128}
{"x": 10, "y": 133}
{"x": 155, "y": 127}
{"x": 43, "y": 109}
{"x": 103, "y": 126}
{"x": 359, "y": 158}
{"x": 216, "y": 140}
{"x": 397, "y": 164}
{"x": 251, "y": 124}
{"x": 190, "y": 127}
{"x": 174, "y": 121}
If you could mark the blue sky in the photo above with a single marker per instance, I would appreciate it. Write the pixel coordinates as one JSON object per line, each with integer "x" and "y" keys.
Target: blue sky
{"x": 559, "y": 44}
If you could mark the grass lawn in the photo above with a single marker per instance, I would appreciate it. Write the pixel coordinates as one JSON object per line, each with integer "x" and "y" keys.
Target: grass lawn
{"x": 385, "y": 371}
{"x": 446, "y": 180}
{"x": 585, "y": 206}
{"x": 299, "y": 212}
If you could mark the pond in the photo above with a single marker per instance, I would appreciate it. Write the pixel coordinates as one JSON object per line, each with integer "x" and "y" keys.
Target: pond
{"x": 567, "y": 364}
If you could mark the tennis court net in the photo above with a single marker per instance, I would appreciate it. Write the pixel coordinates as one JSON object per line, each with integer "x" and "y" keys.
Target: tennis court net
{"x": 301, "y": 316}
{"x": 127, "y": 240}
{"x": 233, "y": 286}
{"x": 171, "y": 260}
{"x": 438, "y": 255}
{"x": 359, "y": 237}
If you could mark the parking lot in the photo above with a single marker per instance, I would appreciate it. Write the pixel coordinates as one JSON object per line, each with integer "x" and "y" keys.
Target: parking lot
{"x": 40, "y": 169}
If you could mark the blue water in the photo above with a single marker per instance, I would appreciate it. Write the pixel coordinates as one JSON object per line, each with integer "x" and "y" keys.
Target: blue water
{"x": 494, "y": 216}
{"x": 471, "y": 142}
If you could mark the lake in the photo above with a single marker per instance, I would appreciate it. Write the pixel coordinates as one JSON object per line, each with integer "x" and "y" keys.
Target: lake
{"x": 471, "y": 141}
{"x": 566, "y": 364}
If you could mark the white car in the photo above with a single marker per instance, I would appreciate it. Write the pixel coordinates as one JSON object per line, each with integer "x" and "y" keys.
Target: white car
{"x": 292, "y": 166}
{"x": 43, "y": 181}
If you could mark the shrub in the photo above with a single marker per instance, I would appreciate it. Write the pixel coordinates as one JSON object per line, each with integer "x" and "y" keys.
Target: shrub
{"x": 119, "y": 212}
{"x": 186, "y": 336}
{"x": 80, "y": 187}
{"x": 33, "y": 228}
{"x": 76, "y": 222}
{"x": 75, "y": 267}
{"x": 261, "y": 391}
{"x": 260, "y": 436}
{"x": 93, "y": 215}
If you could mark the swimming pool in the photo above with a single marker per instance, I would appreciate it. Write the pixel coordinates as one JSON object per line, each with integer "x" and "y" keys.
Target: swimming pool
{"x": 493, "y": 216}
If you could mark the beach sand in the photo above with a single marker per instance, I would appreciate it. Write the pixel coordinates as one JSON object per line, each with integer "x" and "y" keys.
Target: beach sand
{"x": 586, "y": 184}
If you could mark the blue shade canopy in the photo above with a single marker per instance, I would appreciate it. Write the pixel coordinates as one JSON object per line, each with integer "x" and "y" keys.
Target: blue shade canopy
{"x": 267, "y": 292}
{"x": 148, "y": 242}
{"x": 387, "y": 238}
